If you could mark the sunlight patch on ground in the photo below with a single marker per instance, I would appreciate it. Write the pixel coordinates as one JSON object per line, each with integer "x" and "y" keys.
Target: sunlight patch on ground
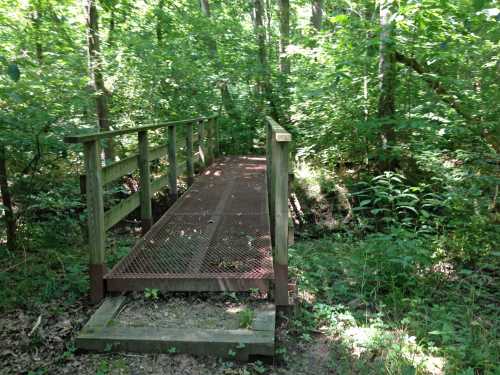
{"x": 397, "y": 349}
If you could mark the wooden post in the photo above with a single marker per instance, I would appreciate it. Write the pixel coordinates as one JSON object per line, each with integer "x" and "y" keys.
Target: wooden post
{"x": 145, "y": 173}
{"x": 201, "y": 143}
{"x": 269, "y": 167}
{"x": 280, "y": 197}
{"x": 189, "y": 154}
{"x": 216, "y": 137}
{"x": 210, "y": 141}
{"x": 172, "y": 163}
{"x": 95, "y": 212}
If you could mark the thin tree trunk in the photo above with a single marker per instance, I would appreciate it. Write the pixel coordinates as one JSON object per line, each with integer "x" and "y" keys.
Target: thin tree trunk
{"x": 95, "y": 70}
{"x": 317, "y": 14}
{"x": 112, "y": 25}
{"x": 387, "y": 79}
{"x": 10, "y": 219}
{"x": 37, "y": 20}
{"x": 227, "y": 100}
{"x": 159, "y": 21}
{"x": 284, "y": 6}
{"x": 264, "y": 76}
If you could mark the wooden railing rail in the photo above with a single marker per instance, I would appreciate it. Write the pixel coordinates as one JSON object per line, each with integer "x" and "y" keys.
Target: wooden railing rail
{"x": 96, "y": 177}
{"x": 277, "y": 143}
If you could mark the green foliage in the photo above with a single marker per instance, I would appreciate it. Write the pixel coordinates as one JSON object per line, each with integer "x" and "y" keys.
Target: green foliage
{"x": 246, "y": 317}
{"x": 398, "y": 283}
{"x": 152, "y": 294}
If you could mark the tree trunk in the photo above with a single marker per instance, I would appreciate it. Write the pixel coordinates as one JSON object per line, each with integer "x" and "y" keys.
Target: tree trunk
{"x": 317, "y": 14}
{"x": 205, "y": 8}
{"x": 284, "y": 6}
{"x": 264, "y": 76}
{"x": 95, "y": 70}
{"x": 387, "y": 79}
{"x": 227, "y": 100}
{"x": 10, "y": 219}
{"x": 159, "y": 21}
{"x": 37, "y": 20}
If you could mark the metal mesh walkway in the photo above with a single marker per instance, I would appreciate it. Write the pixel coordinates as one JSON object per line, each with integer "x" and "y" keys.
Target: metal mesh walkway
{"x": 215, "y": 237}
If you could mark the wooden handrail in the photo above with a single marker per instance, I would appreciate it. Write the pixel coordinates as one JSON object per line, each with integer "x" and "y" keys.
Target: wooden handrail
{"x": 96, "y": 176}
{"x": 277, "y": 182}
{"x": 83, "y": 138}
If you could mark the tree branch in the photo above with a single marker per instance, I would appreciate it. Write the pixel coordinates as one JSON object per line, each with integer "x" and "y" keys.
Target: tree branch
{"x": 434, "y": 84}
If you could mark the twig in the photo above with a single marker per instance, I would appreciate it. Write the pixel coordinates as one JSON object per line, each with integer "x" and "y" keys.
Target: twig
{"x": 37, "y": 324}
{"x": 14, "y": 266}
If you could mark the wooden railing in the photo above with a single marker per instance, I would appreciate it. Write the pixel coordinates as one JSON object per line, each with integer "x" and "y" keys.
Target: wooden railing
{"x": 96, "y": 177}
{"x": 277, "y": 183}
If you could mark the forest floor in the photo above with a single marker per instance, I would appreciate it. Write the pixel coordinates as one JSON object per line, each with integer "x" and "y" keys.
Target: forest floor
{"x": 38, "y": 337}
{"x": 365, "y": 307}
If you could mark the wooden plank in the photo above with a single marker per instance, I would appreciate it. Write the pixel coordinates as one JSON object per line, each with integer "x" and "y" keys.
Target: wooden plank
{"x": 279, "y": 133}
{"x": 145, "y": 182}
{"x": 113, "y": 133}
{"x": 120, "y": 168}
{"x": 104, "y": 314}
{"x": 265, "y": 318}
{"x": 215, "y": 342}
{"x": 127, "y": 165}
{"x": 158, "y": 152}
{"x": 280, "y": 198}
{"x": 189, "y": 154}
{"x": 95, "y": 212}
{"x": 183, "y": 285}
{"x": 121, "y": 210}
{"x": 172, "y": 163}
{"x": 269, "y": 166}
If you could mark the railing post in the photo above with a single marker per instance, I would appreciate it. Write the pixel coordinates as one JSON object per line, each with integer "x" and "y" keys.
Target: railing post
{"x": 95, "y": 212}
{"x": 216, "y": 138}
{"x": 201, "y": 143}
{"x": 172, "y": 163}
{"x": 269, "y": 167}
{"x": 280, "y": 197}
{"x": 189, "y": 154}
{"x": 145, "y": 187}
{"x": 210, "y": 141}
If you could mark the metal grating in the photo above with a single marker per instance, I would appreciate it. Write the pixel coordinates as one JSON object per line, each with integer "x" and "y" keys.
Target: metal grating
{"x": 218, "y": 229}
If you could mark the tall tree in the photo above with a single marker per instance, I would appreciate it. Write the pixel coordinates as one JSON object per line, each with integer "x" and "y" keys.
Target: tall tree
{"x": 10, "y": 219}
{"x": 96, "y": 75}
{"x": 260, "y": 30}
{"x": 387, "y": 80}
{"x": 284, "y": 6}
{"x": 317, "y": 14}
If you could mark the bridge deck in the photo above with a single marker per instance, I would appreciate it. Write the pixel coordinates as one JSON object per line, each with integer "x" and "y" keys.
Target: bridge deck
{"x": 215, "y": 237}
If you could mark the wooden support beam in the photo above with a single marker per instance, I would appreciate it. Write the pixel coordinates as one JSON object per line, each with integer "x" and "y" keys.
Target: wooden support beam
{"x": 277, "y": 180}
{"x": 95, "y": 213}
{"x": 121, "y": 210}
{"x": 172, "y": 163}
{"x": 280, "y": 198}
{"x": 202, "y": 144}
{"x": 189, "y": 154}
{"x": 145, "y": 185}
{"x": 269, "y": 167}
